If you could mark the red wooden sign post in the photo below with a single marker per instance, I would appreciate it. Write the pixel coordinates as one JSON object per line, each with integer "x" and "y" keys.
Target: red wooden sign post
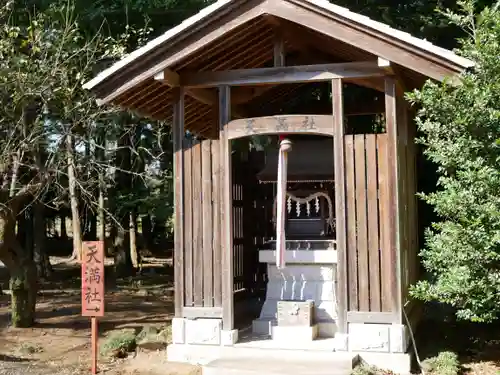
{"x": 93, "y": 289}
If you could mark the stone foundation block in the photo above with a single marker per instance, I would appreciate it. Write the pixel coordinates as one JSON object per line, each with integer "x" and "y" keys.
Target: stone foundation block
{"x": 263, "y": 326}
{"x": 341, "y": 341}
{"x": 178, "y": 330}
{"x": 369, "y": 337}
{"x": 203, "y": 331}
{"x": 229, "y": 338}
{"x": 327, "y": 329}
{"x": 399, "y": 338}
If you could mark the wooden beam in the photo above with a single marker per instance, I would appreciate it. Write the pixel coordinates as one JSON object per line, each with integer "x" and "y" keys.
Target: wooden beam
{"x": 340, "y": 201}
{"x": 178, "y": 136}
{"x": 298, "y": 124}
{"x": 383, "y": 63}
{"x": 226, "y": 209}
{"x": 202, "y": 312}
{"x": 169, "y": 77}
{"x": 291, "y": 74}
{"x": 393, "y": 247}
{"x": 205, "y": 96}
{"x": 310, "y": 48}
{"x": 370, "y": 317}
{"x": 395, "y": 70}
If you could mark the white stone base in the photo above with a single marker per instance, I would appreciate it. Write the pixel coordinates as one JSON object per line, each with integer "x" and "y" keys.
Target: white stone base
{"x": 287, "y": 334}
{"x": 229, "y": 338}
{"x": 341, "y": 342}
{"x": 178, "y": 330}
{"x": 385, "y": 338}
{"x": 300, "y": 282}
{"x": 204, "y": 354}
{"x": 201, "y": 331}
{"x": 263, "y": 326}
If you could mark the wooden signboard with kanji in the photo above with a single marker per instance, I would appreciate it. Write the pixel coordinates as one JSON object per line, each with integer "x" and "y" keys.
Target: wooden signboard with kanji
{"x": 93, "y": 279}
{"x": 93, "y": 289}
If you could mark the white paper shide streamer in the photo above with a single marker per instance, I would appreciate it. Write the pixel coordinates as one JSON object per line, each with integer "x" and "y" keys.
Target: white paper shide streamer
{"x": 285, "y": 147}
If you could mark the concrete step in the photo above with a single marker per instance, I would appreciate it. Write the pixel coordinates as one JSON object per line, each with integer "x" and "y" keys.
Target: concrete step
{"x": 342, "y": 365}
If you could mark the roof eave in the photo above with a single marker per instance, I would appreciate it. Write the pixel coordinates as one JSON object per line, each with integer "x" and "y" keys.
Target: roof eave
{"x": 456, "y": 64}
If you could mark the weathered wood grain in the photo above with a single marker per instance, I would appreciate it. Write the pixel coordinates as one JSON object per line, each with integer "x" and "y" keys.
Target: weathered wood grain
{"x": 340, "y": 205}
{"x": 188, "y": 222}
{"x": 361, "y": 221}
{"x": 208, "y": 230}
{"x": 373, "y": 223}
{"x": 288, "y": 124}
{"x": 179, "y": 240}
{"x": 352, "y": 248}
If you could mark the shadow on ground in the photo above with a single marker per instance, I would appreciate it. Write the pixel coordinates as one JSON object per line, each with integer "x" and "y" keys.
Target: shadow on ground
{"x": 474, "y": 343}
{"x": 142, "y": 299}
{"x": 9, "y": 358}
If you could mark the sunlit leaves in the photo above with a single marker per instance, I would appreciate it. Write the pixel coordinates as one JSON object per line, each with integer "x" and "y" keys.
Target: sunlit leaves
{"x": 461, "y": 132}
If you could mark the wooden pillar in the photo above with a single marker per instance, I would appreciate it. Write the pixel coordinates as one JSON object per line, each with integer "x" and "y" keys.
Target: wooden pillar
{"x": 391, "y": 109}
{"x": 226, "y": 210}
{"x": 340, "y": 203}
{"x": 403, "y": 178}
{"x": 178, "y": 137}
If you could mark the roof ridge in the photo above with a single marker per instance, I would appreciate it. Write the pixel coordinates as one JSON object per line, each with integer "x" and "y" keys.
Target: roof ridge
{"x": 399, "y": 34}
{"x": 324, "y": 4}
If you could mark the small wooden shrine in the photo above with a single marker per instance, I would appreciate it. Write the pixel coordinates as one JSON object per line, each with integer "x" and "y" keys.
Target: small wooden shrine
{"x": 324, "y": 214}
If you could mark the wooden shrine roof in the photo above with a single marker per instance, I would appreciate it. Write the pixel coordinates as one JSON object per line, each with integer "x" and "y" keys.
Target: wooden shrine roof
{"x": 240, "y": 34}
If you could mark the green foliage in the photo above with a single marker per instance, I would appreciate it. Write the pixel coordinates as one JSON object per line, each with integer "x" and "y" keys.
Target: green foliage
{"x": 461, "y": 132}
{"x": 364, "y": 369}
{"x": 445, "y": 363}
{"x": 118, "y": 343}
{"x": 42, "y": 67}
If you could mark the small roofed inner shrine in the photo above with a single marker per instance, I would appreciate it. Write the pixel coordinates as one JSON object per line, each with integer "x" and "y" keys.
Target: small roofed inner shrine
{"x": 305, "y": 269}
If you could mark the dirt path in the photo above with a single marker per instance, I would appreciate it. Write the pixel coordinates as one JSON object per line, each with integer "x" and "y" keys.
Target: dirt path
{"x": 59, "y": 344}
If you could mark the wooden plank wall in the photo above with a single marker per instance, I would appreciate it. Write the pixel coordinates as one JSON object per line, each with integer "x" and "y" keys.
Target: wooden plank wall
{"x": 202, "y": 250}
{"x": 408, "y": 201}
{"x": 367, "y": 209}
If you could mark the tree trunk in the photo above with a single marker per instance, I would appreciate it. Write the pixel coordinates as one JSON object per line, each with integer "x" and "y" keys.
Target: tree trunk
{"x": 64, "y": 232}
{"x": 147, "y": 232}
{"x": 133, "y": 239}
{"x": 22, "y": 229}
{"x": 123, "y": 261}
{"x": 101, "y": 226}
{"x": 75, "y": 219}
{"x": 113, "y": 234}
{"x": 101, "y": 156}
{"x": 41, "y": 258}
{"x": 24, "y": 288}
{"x": 23, "y": 276}
{"x": 92, "y": 226}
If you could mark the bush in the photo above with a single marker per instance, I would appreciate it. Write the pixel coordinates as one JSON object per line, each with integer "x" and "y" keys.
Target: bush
{"x": 364, "y": 369}
{"x": 119, "y": 343}
{"x": 460, "y": 129}
{"x": 446, "y": 363}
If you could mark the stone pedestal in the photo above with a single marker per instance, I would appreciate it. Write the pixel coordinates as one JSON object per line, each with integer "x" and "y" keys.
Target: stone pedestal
{"x": 308, "y": 275}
